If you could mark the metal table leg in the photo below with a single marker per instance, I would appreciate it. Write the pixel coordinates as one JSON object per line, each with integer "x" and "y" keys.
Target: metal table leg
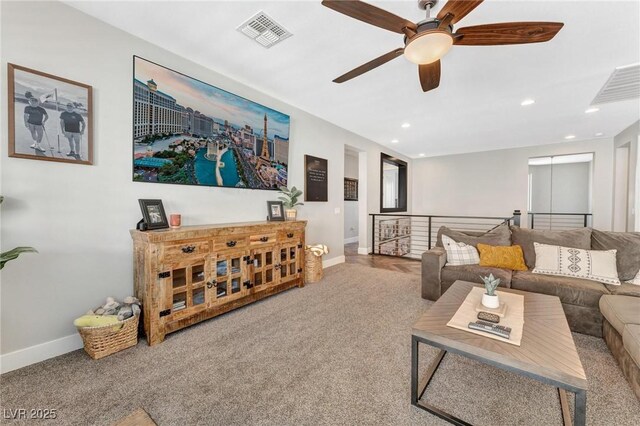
{"x": 419, "y": 386}
{"x": 580, "y": 415}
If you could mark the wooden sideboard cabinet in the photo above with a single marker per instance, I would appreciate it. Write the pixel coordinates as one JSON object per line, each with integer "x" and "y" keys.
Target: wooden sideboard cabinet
{"x": 187, "y": 275}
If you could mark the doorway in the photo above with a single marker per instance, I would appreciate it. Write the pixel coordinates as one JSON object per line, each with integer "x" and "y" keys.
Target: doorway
{"x": 351, "y": 201}
{"x": 560, "y": 191}
{"x": 355, "y": 201}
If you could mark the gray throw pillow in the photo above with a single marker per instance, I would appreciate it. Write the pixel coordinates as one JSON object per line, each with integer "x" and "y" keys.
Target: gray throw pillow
{"x": 576, "y": 238}
{"x": 500, "y": 236}
{"x": 628, "y": 246}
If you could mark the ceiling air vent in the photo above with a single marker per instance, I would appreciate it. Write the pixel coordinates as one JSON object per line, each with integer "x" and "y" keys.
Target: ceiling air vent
{"x": 623, "y": 84}
{"x": 264, "y": 30}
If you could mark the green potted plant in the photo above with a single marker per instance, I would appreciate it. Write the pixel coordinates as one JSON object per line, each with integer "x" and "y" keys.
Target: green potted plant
{"x": 13, "y": 253}
{"x": 289, "y": 199}
{"x": 490, "y": 298}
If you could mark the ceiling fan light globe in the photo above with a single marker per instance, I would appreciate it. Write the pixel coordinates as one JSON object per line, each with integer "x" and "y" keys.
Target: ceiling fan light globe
{"x": 428, "y": 47}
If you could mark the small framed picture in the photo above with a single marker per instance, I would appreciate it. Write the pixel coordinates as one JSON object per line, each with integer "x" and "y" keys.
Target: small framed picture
{"x": 275, "y": 210}
{"x": 153, "y": 214}
{"x": 50, "y": 117}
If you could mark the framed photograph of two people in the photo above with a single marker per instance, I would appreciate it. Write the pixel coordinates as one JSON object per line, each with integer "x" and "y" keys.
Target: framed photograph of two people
{"x": 50, "y": 117}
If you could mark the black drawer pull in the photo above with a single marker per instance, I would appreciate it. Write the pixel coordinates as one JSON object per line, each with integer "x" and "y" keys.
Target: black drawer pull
{"x": 264, "y": 239}
{"x": 247, "y": 284}
{"x": 290, "y": 235}
{"x": 211, "y": 284}
{"x": 231, "y": 243}
{"x": 188, "y": 249}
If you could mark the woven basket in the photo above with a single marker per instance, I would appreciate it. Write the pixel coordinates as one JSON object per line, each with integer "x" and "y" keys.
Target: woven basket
{"x": 313, "y": 267}
{"x": 109, "y": 339}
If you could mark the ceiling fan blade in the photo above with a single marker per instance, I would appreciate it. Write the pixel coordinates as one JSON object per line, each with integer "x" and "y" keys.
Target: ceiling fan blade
{"x": 370, "y": 65}
{"x": 507, "y": 33}
{"x": 370, "y": 14}
{"x": 429, "y": 76}
{"x": 458, "y": 8}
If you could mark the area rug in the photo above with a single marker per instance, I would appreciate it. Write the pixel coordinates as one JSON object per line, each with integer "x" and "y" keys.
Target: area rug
{"x": 336, "y": 352}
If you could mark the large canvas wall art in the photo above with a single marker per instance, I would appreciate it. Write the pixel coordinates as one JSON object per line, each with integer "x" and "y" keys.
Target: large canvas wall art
{"x": 189, "y": 132}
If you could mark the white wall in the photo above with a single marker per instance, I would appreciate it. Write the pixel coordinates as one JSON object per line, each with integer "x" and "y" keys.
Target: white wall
{"x": 78, "y": 217}
{"x": 629, "y": 136}
{"x": 494, "y": 183}
{"x": 565, "y": 189}
{"x": 351, "y": 208}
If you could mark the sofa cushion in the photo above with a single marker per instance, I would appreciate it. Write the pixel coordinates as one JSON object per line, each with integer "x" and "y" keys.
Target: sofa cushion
{"x": 499, "y": 236}
{"x": 620, "y": 310}
{"x": 594, "y": 265}
{"x": 578, "y": 238}
{"x": 574, "y": 291}
{"x": 473, "y": 273}
{"x": 628, "y": 246}
{"x": 624, "y": 289}
{"x": 502, "y": 257}
{"x": 631, "y": 341}
{"x": 459, "y": 253}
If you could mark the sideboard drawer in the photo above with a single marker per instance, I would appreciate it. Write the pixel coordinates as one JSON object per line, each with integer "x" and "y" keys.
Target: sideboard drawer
{"x": 229, "y": 242}
{"x": 262, "y": 239}
{"x": 288, "y": 236}
{"x": 191, "y": 248}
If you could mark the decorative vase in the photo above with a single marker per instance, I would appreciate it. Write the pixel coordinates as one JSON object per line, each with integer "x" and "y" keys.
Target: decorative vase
{"x": 291, "y": 214}
{"x": 491, "y": 302}
{"x": 175, "y": 221}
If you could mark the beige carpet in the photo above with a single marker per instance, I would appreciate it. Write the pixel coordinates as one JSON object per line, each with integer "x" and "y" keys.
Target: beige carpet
{"x": 334, "y": 352}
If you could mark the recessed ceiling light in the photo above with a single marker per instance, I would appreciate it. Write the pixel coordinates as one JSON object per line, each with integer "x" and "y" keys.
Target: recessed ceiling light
{"x": 570, "y": 137}
{"x": 592, "y": 109}
{"x": 405, "y": 125}
{"x": 527, "y": 102}
{"x": 394, "y": 141}
{"x": 599, "y": 134}
{"x": 421, "y": 154}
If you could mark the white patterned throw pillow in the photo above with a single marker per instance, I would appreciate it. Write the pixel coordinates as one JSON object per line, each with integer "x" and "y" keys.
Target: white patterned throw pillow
{"x": 594, "y": 265}
{"x": 460, "y": 253}
{"x": 635, "y": 280}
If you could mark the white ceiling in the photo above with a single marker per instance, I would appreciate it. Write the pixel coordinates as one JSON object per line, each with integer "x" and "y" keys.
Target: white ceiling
{"x": 477, "y": 106}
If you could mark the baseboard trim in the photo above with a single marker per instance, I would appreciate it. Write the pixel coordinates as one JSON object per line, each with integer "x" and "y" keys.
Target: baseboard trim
{"x": 332, "y": 262}
{"x": 364, "y": 250}
{"x": 351, "y": 240}
{"x": 33, "y": 354}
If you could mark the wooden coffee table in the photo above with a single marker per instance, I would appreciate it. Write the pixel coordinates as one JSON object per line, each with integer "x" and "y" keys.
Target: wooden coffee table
{"x": 547, "y": 352}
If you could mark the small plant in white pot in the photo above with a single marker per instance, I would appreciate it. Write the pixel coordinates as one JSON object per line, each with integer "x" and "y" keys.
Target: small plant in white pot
{"x": 490, "y": 298}
{"x": 290, "y": 201}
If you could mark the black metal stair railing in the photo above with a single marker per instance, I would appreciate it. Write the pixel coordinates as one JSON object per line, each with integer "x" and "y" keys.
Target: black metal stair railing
{"x": 559, "y": 221}
{"x": 411, "y": 235}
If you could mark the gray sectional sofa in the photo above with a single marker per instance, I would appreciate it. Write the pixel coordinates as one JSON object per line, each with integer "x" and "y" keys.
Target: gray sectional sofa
{"x": 581, "y": 299}
{"x": 621, "y": 331}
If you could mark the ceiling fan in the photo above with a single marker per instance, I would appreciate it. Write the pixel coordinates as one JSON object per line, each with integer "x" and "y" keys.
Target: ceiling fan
{"x": 429, "y": 40}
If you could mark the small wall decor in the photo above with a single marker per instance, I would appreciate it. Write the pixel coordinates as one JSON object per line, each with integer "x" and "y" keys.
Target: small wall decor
{"x": 350, "y": 189}
{"x": 275, "y": 209}
{"x": 186, "y": 131}
{"x": 315, "y": 179}
{"x": 50, "y": 117}
{"x": 153, "y": 214}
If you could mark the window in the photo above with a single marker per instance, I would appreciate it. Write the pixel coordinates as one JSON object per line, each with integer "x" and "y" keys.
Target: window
{"x": 393, "y": 184}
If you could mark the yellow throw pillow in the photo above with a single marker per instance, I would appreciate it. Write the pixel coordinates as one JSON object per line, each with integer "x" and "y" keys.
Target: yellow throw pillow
{"x": 507, "y": 257}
